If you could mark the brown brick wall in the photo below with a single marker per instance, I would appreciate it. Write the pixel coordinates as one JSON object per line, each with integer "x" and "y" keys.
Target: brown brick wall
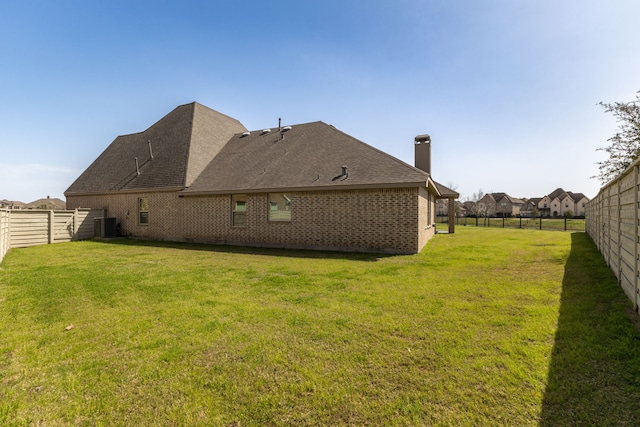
{"x": 426, "y": 217}
{"x": 379, "y": 220}
{"x": 163, "y": 211}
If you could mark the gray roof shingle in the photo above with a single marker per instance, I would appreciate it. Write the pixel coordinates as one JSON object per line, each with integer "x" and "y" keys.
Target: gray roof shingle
{"x": 182, "y": 142}
{"x": 201, "y": 151}
{"x": 307, "y": 157}
{"x": 446, "y": 191}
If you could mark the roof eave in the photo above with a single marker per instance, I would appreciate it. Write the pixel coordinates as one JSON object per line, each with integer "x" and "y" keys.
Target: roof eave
{"x": 429, "y": 184}
{"x": 127, "y": 191}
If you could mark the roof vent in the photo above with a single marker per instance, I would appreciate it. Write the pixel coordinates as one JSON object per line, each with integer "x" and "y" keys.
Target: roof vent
{"x": 245, "y": 134}
{"x": 344, "y": 175}
{"x": 285, "y": 129}
{"x": 265, "y": 131}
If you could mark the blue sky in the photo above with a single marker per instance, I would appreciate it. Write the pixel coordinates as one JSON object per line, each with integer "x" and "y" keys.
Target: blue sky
{"x": 507, "y": 89}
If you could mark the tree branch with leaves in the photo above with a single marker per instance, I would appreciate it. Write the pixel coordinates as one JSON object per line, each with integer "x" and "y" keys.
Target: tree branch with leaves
{"x": 625, "y": 144}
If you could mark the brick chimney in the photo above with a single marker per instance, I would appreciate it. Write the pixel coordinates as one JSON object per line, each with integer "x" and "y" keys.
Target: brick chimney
{"x": 423, "y": 153}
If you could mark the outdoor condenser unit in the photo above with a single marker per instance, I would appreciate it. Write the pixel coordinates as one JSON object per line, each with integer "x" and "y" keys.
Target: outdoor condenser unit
{"x": 104, "y": 227}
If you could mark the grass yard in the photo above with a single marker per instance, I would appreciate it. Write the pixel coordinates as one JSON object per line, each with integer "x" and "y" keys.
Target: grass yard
{"x": 484, "y": 327}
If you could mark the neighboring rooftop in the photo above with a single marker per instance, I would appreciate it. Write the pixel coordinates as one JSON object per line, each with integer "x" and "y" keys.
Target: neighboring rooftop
{"x": 561, "y": 194}
{"x": 47, "y": 203}
{"x": 12, "y": 204}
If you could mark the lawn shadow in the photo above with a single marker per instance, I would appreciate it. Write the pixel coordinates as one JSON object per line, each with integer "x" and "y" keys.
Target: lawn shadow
{"x": 253, "y": 250}
{"x": 594, "y": 374}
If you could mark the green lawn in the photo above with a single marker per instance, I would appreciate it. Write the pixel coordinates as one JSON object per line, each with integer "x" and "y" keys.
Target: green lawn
{"x": 484, "y": 327}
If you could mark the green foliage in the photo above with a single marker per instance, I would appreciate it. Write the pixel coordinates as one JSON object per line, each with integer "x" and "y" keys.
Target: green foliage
{"x": 625, "y": 144}
{"x": 535, "y": 212}
{"x": 484, "y": 327}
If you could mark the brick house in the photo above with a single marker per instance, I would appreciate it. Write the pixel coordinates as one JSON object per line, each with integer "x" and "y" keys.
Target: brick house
{"x": 494, "y": 205}
{"x": 197, "y": 175}
{"x": 559, "y": 202}
{"x": 530, "y": 207}
{"x": 48, "y": 203}
{"x": 442, "y": 207}
{"x": 8, "y": 204}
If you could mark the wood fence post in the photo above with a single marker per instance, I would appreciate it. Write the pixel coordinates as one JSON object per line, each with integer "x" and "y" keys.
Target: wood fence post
{"x": 451, "y": 215}
{"x": 619, "y": 222}
{"x": 51, "y": 218}
{"x": 75, "y": 224}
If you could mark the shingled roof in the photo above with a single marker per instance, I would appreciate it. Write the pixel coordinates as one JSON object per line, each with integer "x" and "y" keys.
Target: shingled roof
{"x": 311, "y": 156}
{"x": 559, "y": 193}
{"x": 182, "y": 143}
{"x": 200, "y": 151}
{"x": 446, "y": 192}
{"x": 47, "y": 203}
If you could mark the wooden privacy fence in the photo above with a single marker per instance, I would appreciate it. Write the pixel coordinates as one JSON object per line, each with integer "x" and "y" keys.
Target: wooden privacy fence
{"x": 22, "y": 228}
{"x": 4, "y": 232}
{"x": 613, "y": 224}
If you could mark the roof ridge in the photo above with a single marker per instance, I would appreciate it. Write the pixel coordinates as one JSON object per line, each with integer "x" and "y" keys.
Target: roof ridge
{"x": 291, "y": 125}
{"x": 395, "y": 159}
{"x": 201, "y": 117}
{"x": 187, "y": 162}
{"x": 403, "y": 163}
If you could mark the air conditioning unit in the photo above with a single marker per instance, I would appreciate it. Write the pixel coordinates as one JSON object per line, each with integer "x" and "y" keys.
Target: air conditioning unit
{"x": 105, "y": 227}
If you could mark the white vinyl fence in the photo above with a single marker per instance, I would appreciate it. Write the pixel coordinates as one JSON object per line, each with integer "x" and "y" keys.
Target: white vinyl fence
{"x": 22, "y": 228}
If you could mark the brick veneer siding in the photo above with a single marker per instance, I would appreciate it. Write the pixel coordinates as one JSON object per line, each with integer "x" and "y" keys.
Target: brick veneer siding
{"x": 164, "y": 221}
{"x": 378, "y": 220}
{"x": 426, "y": 217}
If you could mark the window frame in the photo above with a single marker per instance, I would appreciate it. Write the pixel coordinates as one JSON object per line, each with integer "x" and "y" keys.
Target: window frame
{"x": 238, "y": 213}
{"x": 143, "y": 210}
{"x": 277, "y": 214}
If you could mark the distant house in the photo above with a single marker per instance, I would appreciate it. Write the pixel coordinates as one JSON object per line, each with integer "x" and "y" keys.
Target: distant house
{"x": 47, "y": 203}
{"x": 530, "y": 207}
{"x": 560, "y": 203}
{"x": 442, "y": 207}
{"x": 8, "y": 204}
{"x": 197, "y": 175}
{"x": 494, "y": 205}
{"x": 468, "y": 208}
